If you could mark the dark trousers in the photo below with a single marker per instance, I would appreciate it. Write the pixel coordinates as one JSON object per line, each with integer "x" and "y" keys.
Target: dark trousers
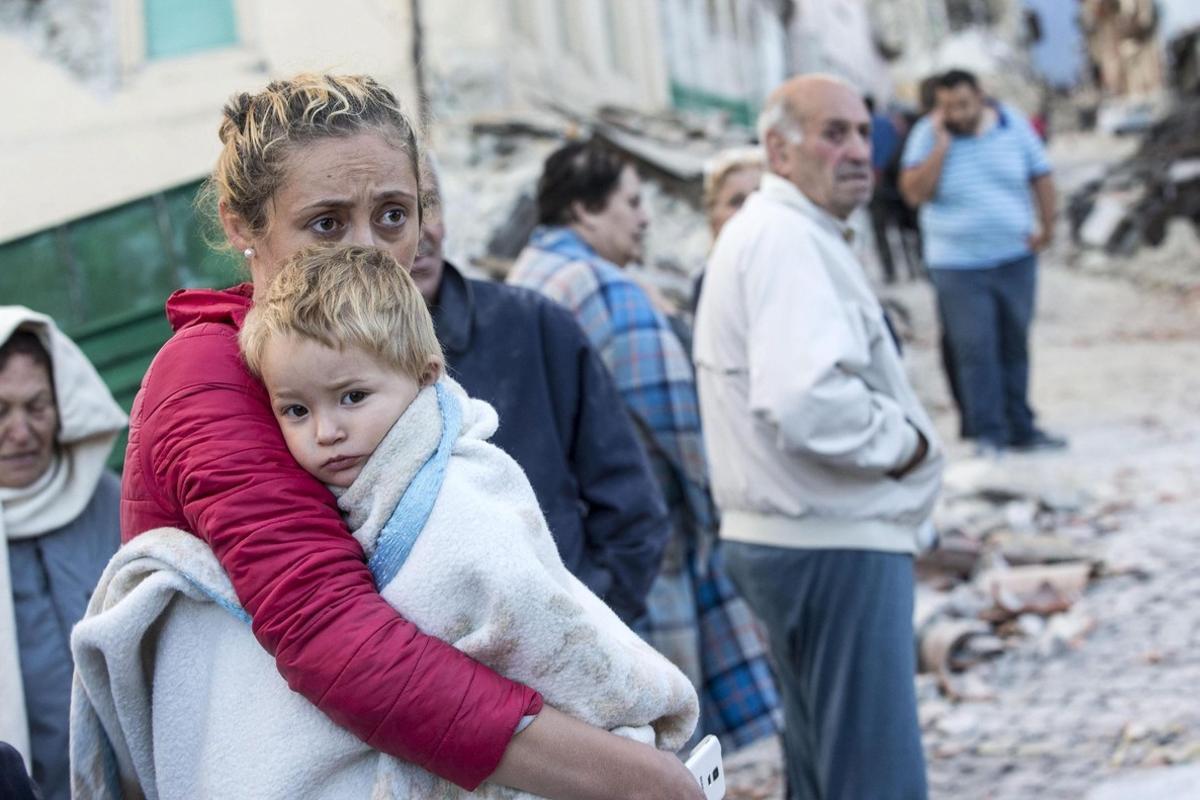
{"x": 880, "y": 218}
{"x": 986, "y": 315}
{"x": 14, "y": 780}
{"x": 840, "y": 629}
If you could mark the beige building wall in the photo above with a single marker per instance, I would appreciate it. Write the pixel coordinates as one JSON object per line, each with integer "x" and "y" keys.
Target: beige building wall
{"x": 836, "y": 36}
{"x": 79, "y": 150}
{"x": 581, "y": 53}
{"x": 74, "y": 150}
{"x": 926, "y": 40}
{"x": 724, "y": 54}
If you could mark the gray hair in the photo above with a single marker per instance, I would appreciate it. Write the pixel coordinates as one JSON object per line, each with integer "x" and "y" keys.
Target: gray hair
{"x": 431, "y": 182}
{"x": 777, "y": 116}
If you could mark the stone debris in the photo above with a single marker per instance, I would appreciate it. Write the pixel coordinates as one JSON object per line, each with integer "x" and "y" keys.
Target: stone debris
{"x": 753, "y": 773}
{"x": 490, "y": 164}
{"x": 1134, "y": 203}
{"x": 1064, "y": 631}
{"x": 1002, "y": 575}
{"x": 1174, "y": 783}
{"x": 1034, "y": 589}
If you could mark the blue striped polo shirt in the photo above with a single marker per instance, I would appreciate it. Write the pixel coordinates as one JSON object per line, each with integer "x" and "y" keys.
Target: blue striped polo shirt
{"x": 982, "y": 213}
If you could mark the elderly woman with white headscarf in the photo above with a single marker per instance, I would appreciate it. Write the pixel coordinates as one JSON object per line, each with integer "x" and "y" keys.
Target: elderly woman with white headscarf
{"x": 59, "y": 525}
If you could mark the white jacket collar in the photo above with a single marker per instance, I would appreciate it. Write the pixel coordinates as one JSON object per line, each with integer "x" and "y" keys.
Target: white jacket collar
{"x": 781, "y": 190}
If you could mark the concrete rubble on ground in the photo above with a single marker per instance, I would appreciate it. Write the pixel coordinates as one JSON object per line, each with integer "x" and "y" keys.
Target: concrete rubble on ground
{"x": 1165, "y": 784}
{"x": 1010, "y": 565}
{"x": 1096, "y": 652}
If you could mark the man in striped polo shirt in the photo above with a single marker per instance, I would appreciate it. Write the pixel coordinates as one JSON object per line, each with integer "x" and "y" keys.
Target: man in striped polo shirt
{"x": 978, "y": 170}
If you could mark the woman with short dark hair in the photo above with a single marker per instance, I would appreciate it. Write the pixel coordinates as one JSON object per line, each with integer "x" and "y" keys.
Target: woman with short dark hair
{"x": 561, "y": 418}
{"x": 592, "y": 225}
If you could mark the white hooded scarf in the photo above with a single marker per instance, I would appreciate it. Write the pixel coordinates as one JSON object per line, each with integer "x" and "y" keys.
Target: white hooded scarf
{"x": 89, "y": 421}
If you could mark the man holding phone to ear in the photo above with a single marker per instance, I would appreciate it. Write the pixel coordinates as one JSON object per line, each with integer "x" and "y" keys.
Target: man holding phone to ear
{"x": 977, "y": 169}
{"x": 824, "y": 464}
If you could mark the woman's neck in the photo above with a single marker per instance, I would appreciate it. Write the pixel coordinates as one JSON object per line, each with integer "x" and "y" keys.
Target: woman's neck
{"x": 591, "y": 240}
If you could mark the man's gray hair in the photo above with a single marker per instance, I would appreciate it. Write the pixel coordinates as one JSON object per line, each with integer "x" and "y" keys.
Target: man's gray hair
{"x": 431, "y": 182}
{"x": 777, "y": 116}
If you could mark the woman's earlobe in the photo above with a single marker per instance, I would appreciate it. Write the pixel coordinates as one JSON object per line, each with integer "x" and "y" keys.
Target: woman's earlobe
{"x": 578, "y": 215}
{"x": 234, "y": 227}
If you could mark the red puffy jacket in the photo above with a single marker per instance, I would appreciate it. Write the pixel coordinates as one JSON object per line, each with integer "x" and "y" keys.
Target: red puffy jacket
{"x": 205, "y": 454}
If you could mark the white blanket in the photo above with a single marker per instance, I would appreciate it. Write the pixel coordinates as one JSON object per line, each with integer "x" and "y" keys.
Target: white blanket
{"x": 174, "y": 698}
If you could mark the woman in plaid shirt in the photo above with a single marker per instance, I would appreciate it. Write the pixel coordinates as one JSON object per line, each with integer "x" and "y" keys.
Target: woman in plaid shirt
{"x": 592, "y": 224}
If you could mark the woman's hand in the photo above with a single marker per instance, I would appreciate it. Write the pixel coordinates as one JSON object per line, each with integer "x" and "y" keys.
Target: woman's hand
{"x": 561, "y": 758}
{"x": 678, "y": 781}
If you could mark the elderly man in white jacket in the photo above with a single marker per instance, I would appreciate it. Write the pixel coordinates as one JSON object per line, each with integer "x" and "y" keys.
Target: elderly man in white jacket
{"x": 824, "y": 464}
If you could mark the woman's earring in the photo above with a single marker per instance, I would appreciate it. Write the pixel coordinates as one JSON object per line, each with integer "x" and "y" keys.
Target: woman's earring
{"x": 248, "y": 253}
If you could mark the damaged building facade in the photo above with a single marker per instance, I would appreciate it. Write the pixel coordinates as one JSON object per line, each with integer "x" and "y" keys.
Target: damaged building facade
{"x": 987, "y": 37}
{"x": 103, "y": 176}
{"x": 137, "y": 85}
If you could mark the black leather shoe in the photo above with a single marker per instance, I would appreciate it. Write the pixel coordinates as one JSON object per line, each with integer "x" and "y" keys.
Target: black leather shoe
{"x": 1040, "y": 440}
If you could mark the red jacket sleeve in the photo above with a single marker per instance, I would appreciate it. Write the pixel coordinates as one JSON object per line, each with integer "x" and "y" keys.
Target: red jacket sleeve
{"x": 216, "y": 453}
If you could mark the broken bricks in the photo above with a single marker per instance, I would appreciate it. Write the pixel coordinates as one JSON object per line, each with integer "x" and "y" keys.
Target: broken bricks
{"x": 1042, "y": 589}
{"x": 1011, "y": 563}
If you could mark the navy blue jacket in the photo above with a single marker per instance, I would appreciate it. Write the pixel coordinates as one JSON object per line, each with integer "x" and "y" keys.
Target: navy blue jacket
{"x": 562, "y": 420}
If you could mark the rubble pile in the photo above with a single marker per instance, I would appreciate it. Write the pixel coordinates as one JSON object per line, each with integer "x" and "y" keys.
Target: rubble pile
{"x": 1146, "y": 199}
{"x": 1184, "y": 54}
{"x": 1008, "y": 572}
{"x": 490, "y": 165}
{"x": 1074, "y": 586}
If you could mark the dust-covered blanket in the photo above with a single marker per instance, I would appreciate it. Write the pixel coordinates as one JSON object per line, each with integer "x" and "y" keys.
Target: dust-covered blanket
{"x": 174, "y": 698}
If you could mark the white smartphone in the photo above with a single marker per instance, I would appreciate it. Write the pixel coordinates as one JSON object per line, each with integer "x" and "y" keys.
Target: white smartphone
{"x": 705, "y": 764}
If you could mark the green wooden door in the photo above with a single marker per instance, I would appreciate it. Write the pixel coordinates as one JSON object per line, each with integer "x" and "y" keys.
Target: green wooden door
{"x": 105, "y": 279}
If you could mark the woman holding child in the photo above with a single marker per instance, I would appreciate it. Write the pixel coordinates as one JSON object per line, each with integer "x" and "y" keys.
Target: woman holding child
{"x": 323, "y": 159}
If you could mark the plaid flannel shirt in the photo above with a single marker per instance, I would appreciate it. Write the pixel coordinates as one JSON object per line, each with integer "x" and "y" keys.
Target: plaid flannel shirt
{"x": 695, "y": 616}
{"x": 649, "y": 366}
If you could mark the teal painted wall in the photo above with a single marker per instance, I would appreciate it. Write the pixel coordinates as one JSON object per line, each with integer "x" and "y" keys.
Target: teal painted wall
{"x": 688, "y": 98}
{"x": 180, "y": 27}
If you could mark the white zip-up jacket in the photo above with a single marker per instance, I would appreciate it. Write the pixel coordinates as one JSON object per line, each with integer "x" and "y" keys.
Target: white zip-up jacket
{"x": 804, "y": 398}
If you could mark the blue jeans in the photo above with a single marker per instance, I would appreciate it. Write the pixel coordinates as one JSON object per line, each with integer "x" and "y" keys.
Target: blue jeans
{"x": 986, "y": 315}
{"x": 839, "y": 624}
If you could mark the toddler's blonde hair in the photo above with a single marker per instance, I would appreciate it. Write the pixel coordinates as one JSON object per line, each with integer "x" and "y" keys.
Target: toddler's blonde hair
{"x": 344, "y": 296}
